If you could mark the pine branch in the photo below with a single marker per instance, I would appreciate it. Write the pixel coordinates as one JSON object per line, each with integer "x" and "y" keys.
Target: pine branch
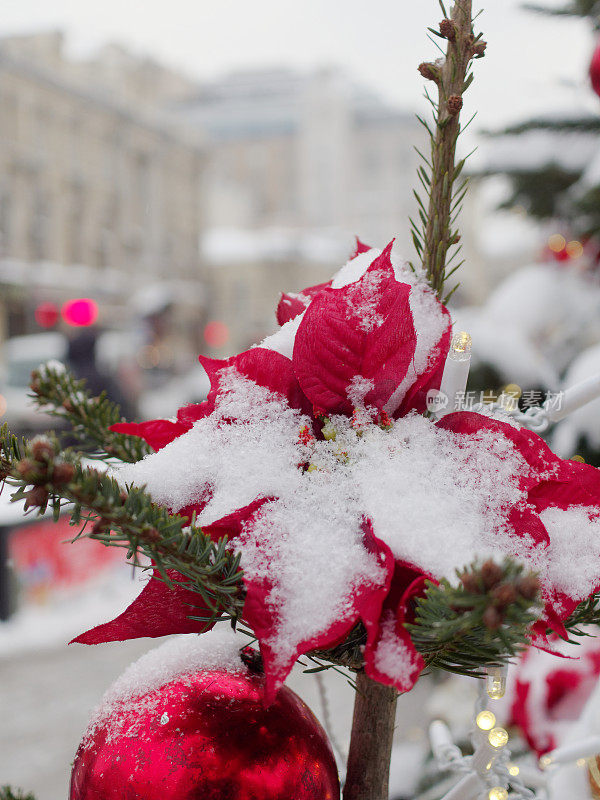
{"x": 486, "y": 619}
{"x": 436, "y": 235}
{"x": 585, "y": 615}
{"x": 117, "y": 518}
{"x": 7, "y": 793}
{"x": 576, "y": 8}
{"x": 578, "y": 124}
{"x": 55, "y": 390}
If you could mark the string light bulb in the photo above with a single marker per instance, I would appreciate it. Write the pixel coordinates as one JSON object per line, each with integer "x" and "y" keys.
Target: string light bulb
{"x": 456, "y": 372}
{"x": 498, "y": 737}
{"x": 485, "y": 720}
{"x": 497, "y": 793}
{"x": 545, "y": 762}
{"x": 460, "y": 349}
{"x": 513, "y": 770}
{"x": 572, "y": 753}
{"x": 495, "y": 681}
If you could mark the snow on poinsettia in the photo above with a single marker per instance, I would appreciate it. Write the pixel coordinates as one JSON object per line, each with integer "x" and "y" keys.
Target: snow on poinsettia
{"x": 548, "y": 695}
{"x": 313, "y": 456}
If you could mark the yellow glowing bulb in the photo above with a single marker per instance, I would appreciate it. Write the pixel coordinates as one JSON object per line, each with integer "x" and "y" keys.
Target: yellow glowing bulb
{"x": 545, "y": 762}
{"x": 498, "y": 737}
{"x": 495, "y": 681}
{"x": 495, "y": 688}
{"x": 513, "y": 389}
{"x": 497, "y": 793}
{"x": 557, "y": 242}
{"x": 581, "y": 762}
{"x": 485, "y": 720}
{"x": 461, "y": 343}
{"x": 513, "y": 770}
{"x": 575, "y": 249}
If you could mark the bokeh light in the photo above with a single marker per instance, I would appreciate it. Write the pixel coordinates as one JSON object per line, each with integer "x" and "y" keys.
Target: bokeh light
{"x": 557, "y": 242}
{"x": 46, "y": 315}
{"x": 80, "y": 312}
{"x": 216, "y": 333}
{"x": 513, "y": 390}
{"x": 574, "y": 249}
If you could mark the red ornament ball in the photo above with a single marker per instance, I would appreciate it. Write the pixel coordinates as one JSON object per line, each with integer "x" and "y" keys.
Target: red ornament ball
{"x": 595, "y": 70}
{"x": 206, "y": 736}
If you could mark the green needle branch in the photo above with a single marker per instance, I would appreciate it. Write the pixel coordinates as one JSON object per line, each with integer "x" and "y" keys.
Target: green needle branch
{"x": 129, "y": 519}
{"x": 55, "y": 390}
{"x": 435, "y": 233}
{"x": 7, "y": 793}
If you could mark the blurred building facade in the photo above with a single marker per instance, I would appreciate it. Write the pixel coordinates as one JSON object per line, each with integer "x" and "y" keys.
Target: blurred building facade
{"x": 298, "y": 164}
{"x": 312, "y": 151}
{"x": 117, "y": 173}
{"x": 99, "y": 188}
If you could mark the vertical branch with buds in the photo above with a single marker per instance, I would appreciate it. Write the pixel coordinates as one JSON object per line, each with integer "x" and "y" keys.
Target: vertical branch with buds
{"x": 437, "y": 233}
{"x": 367, "y": 775}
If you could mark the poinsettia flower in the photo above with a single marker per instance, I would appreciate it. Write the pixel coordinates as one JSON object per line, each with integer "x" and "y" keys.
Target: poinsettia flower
{"x": 342, "y": 500}
{"x": 546, "y": 696}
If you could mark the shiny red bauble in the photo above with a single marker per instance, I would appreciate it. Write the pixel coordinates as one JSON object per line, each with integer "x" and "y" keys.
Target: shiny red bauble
{"x": 206, "y": 736}
{"x": 595, "y": 70}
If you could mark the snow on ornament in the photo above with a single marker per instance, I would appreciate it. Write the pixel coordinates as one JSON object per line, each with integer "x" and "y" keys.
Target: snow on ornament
{"x": 313, "y": 455}
{"x": 188, "y": 721}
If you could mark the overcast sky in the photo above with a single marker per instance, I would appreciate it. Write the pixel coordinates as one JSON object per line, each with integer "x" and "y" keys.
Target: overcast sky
{"x": 534, "y": 63}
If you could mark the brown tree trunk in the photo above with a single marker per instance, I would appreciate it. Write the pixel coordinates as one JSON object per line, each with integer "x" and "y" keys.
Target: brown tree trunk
{"x": 368, "y": 771}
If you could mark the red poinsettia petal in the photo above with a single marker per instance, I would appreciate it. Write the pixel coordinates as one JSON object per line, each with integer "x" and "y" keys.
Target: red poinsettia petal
{"x": 232, "y": 525}
{"x": 542, "y": 461}
{"x": 189, "y": 414}
{"x": 365, "y": 603}
{"x": 264, "y": 367}
{"x": 159, "y": 610}
{"x": 415, "y": 398}
{"x": 293, "y": 303}
{"x": 576, "y": 484}
{"x": 361, "y": 247}
{"x": 390, "y": 656}
{"x": 158, "y": 433}
{"x": 361, "y": 331}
